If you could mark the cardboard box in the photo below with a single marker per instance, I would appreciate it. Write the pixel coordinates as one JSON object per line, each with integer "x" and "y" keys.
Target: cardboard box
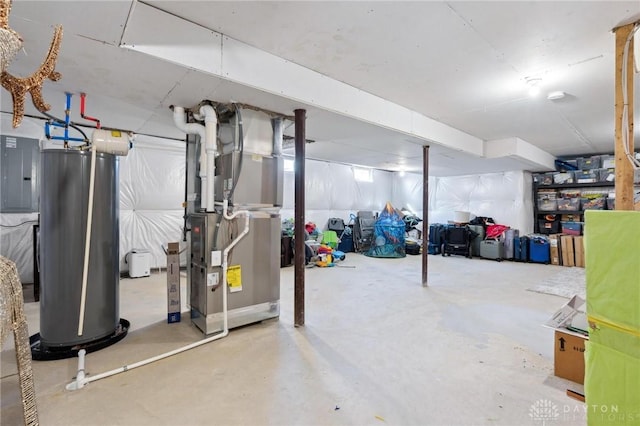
{"x": 566, "y": 243}
{"x": 578, "y": 249}
{"x": 568, "y": 356}
{"x": 555, "y": 249}
{"x": 173, "y": 283}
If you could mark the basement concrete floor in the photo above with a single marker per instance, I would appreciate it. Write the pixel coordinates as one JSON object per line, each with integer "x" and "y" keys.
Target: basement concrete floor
{"x": 377, "y": 349}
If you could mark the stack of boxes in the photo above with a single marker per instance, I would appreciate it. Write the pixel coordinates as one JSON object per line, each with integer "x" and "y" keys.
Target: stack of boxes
{"x": 567, "y": 250}
{"x": 173, "y": 283}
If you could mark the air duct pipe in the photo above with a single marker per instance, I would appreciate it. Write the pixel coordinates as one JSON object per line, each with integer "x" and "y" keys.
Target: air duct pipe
{"x": 179, "y": 119}
{"x": 278, "y": 129}
{"x": 211, "y": 143}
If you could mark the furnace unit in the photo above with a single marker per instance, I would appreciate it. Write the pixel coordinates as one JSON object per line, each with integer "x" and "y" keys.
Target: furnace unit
{"x": 248, "y": 176}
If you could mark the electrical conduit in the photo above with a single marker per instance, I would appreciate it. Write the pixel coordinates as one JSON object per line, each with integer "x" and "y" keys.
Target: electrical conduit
{"x": 81, "y": 380}
{"x": 180, "y": 121}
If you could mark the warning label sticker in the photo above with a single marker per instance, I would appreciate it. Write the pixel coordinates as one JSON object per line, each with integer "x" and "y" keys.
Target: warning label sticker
{"x": 234, "y": 278}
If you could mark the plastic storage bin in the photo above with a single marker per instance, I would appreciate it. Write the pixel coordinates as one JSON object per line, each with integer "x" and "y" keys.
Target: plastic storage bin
{"x": 611, "y": 203}
{"x": 543, "y": 178}
{"x": 563, "y": 178}
{"x": 607, "y": 161}
{"x": 607, "y": 175}
{"x": 569, "y": 204}
{"x": 586, "y": 176}
{"x": 571, "y": 228}
{"x": 546, "y": 204}
{"x": 589, "y": 163}
{"x": 593, "y": 203}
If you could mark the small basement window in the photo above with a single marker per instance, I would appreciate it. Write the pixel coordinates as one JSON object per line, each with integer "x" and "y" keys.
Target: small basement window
{"x": 289, "y": 165}
{"x": 363, "y": 175}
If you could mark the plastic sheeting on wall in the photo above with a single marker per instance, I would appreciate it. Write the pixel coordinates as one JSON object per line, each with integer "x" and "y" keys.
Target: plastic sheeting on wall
{"x": 16, "y": 241}
{"x": 506, "y": 197}
{"x": 152, "y": 180}
{"x": 332, "y": 191}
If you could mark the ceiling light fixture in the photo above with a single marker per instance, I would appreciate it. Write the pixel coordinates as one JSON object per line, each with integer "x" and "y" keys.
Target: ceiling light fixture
{"x": 553, "y": 96}
{"x": 534, "y": 85}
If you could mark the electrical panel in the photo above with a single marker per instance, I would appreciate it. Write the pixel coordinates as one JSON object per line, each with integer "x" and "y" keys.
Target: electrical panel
{"x": 19, "y": 164}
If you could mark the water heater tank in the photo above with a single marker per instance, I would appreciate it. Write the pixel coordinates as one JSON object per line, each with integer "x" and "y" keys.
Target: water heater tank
{"x": 63, "y": 221}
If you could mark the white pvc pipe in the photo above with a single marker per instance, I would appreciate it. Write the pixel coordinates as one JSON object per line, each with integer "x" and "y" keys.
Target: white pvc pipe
{"x": 210, "y": 126}
{"x": 179, "y": 119}
{"x": 245, "y": 231}
{"x": 80, "y": 376}
{"x": 81, "y": 380}
{"x": 87, "y": 240}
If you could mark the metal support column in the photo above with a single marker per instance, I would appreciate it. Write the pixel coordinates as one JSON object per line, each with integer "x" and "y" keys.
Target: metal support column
{"x": 299, "y": 257}
{"x": 425, "y": 213}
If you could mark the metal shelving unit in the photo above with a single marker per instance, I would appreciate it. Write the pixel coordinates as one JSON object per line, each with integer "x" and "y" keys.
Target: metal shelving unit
{"x": 537, "y": 213}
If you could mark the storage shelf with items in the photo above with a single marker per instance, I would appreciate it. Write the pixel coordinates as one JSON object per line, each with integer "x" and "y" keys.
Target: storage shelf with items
{"x": 562, "y": 196}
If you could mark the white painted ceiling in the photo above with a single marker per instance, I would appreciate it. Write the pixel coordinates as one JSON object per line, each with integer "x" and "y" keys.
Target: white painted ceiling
{"x": 461, "y": 63}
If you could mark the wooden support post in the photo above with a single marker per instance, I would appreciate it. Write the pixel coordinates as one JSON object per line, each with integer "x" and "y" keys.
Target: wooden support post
{"x": 425, "y": 214}
{"x": 624, "y": 168}
{"x": 299, "y": 258}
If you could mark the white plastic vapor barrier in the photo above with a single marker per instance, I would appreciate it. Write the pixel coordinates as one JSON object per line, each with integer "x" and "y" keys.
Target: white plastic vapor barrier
{"x": 331, "y": 190}
{"x": 152, "y": 180}
{"x": 16, "y": 241}
{"x": 506, "y": 197}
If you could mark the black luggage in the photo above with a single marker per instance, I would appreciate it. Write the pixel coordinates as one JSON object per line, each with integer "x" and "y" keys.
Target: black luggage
{"x": 363, "y": 231}
{"x": 412, "y": 247}
{"x": 457, "y": 240}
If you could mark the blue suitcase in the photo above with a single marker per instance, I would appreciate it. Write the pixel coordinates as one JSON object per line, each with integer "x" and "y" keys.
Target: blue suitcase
{"x": 540, "y": 250}
{"x": 435, "y": 238}
{"x": 521, "y": 249}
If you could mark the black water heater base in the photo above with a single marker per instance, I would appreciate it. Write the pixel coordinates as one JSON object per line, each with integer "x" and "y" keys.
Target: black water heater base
{"x": 43, "y": 353}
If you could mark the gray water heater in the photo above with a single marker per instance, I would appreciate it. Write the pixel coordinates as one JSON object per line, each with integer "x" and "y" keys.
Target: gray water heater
{"x": 63, "y": 220}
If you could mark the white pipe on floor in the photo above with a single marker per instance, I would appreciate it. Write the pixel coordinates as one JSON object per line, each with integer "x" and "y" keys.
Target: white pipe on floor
{"x": 87, "y": 240}
{"x": 81, "y": 380}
